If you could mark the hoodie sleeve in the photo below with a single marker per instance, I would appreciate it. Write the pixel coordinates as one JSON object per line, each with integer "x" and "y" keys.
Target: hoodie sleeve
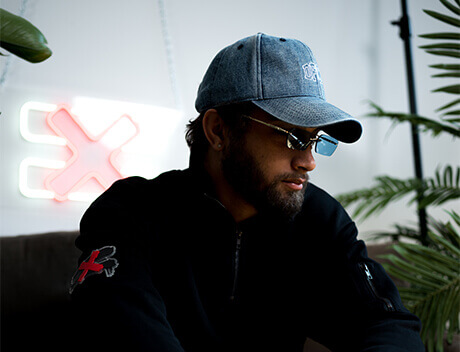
{"x": 356, "y": 306}
{"x": 114, "y": 297}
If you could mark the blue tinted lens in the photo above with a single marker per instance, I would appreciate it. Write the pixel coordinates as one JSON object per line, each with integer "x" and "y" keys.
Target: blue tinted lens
{"x": 326, "y": 145}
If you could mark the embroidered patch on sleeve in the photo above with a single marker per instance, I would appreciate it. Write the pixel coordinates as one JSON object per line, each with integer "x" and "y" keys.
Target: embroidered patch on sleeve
{"x": 100, "y": 261}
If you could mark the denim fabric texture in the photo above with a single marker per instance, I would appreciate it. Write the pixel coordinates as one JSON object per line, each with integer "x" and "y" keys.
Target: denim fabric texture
{"x": 280, "y": 76}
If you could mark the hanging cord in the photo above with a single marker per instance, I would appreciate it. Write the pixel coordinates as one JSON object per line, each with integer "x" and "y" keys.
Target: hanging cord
{"x": 169, "y": 55}
{"x": 6, "y": 67}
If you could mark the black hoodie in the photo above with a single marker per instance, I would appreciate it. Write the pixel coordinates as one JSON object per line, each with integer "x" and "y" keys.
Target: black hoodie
{"x": 166, "y": 268}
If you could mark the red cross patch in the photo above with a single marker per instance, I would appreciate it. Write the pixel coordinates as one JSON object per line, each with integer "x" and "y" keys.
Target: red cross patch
{"x": 100, "y": 261}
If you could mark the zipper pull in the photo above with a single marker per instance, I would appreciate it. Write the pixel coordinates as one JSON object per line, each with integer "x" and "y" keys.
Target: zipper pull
{"x": 367, "y": 271}
{"x": 239, "y": 234}
{"x": 238, "y": 239}
{"x": 388, "y": 305}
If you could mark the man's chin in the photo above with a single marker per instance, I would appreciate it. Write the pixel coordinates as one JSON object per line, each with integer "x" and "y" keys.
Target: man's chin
{"x": 285, "y": 200}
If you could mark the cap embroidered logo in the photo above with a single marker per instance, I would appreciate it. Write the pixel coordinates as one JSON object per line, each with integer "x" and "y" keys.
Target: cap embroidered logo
{"x": 100, "y": 261}
{"x": 311, "y": 72}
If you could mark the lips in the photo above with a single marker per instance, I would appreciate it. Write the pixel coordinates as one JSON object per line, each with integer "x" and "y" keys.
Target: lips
{"x": 295, "y": 183}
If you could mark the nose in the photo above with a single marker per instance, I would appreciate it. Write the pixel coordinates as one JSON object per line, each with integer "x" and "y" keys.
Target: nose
{"x": 303, "y": 161}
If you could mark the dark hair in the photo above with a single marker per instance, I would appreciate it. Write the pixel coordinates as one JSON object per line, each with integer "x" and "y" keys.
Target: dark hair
{"x": 231, "y": 114}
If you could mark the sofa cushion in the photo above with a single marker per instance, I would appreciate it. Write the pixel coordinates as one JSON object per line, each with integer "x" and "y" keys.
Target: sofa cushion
{"x": 35, "y": 274}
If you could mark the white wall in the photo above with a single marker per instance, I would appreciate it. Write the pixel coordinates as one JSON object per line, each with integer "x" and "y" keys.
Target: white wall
{"x": 115, "y": 50}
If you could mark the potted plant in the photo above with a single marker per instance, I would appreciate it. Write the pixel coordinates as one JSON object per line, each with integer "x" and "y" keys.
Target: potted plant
{"x": 429, "y": 268}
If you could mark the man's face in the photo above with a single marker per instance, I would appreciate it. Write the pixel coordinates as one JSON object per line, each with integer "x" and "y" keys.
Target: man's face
{"x": 267, "y": 174}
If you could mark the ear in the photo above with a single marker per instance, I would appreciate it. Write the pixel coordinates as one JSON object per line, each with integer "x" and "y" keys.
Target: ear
{"x": 214, "y": 129}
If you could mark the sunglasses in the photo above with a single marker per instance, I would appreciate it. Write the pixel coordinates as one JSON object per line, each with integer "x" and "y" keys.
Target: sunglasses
{"x": 299, "y": 139}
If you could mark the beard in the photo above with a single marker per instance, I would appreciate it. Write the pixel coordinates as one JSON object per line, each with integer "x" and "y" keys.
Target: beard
{"x": 247, "y": 178}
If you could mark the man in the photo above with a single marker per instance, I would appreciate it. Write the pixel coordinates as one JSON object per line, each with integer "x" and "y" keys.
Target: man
{"x": 239, "y": 252}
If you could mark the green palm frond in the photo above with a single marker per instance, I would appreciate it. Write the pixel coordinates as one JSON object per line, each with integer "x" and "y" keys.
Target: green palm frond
{"x": 452, "y": 89}
{"x": 373, "y": 200}
{"x": 448, "y": 53}
{"x": 400, "y": 233}
{"x": 441, "y": 35}
{"x": 447, "y": 46}
{"x": 433, "y": 275}
{"x": 451, "y": 7}
{"x": 426, "y": 124}
{"x": 444, "y": 187}
{"x": 428, "y": 267}
{"x": 453, "y": 113}
{"x": 411, "y": 233}
{"x": 450, "y": 46}
{"x": 453, "y": 21}
{"x": 449, "y": 105}
{"x": 446, "y": 66}
{"x": 454, "y": 74}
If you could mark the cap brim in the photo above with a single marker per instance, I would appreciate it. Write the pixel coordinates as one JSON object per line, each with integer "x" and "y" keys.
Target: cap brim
{"x": 314, "y": 113}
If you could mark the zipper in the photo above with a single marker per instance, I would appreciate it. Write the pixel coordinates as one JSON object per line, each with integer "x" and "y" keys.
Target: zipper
{"x": 239, "y": 234}
{"x": 369, "y": 278}
{"x": 236, "y": 261}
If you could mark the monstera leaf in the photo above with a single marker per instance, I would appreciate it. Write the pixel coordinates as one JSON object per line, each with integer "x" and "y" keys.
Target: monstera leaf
{"x": 22, "y": 38}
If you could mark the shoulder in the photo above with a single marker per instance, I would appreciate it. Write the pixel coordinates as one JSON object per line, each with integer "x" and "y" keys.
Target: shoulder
{"x": 319, "y": 202}
{"x": 323, "y": 214}
{"x": 131, "y": 206}
{"x": 138, "y": 188}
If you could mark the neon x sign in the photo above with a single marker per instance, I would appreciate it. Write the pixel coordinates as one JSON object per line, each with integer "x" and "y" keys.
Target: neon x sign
{"x": 90, "y": 158}
{"x": 94, "y": 141}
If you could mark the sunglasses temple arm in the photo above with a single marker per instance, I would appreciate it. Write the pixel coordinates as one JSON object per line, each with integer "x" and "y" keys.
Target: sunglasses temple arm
{"x": 268, "y": 125}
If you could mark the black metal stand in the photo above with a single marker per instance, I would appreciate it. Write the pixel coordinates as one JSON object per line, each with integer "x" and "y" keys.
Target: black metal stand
{"x": 405, "y": 35}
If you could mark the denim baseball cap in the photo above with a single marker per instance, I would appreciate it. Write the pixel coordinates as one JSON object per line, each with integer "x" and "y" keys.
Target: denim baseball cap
{"x": 281, "y": 77}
